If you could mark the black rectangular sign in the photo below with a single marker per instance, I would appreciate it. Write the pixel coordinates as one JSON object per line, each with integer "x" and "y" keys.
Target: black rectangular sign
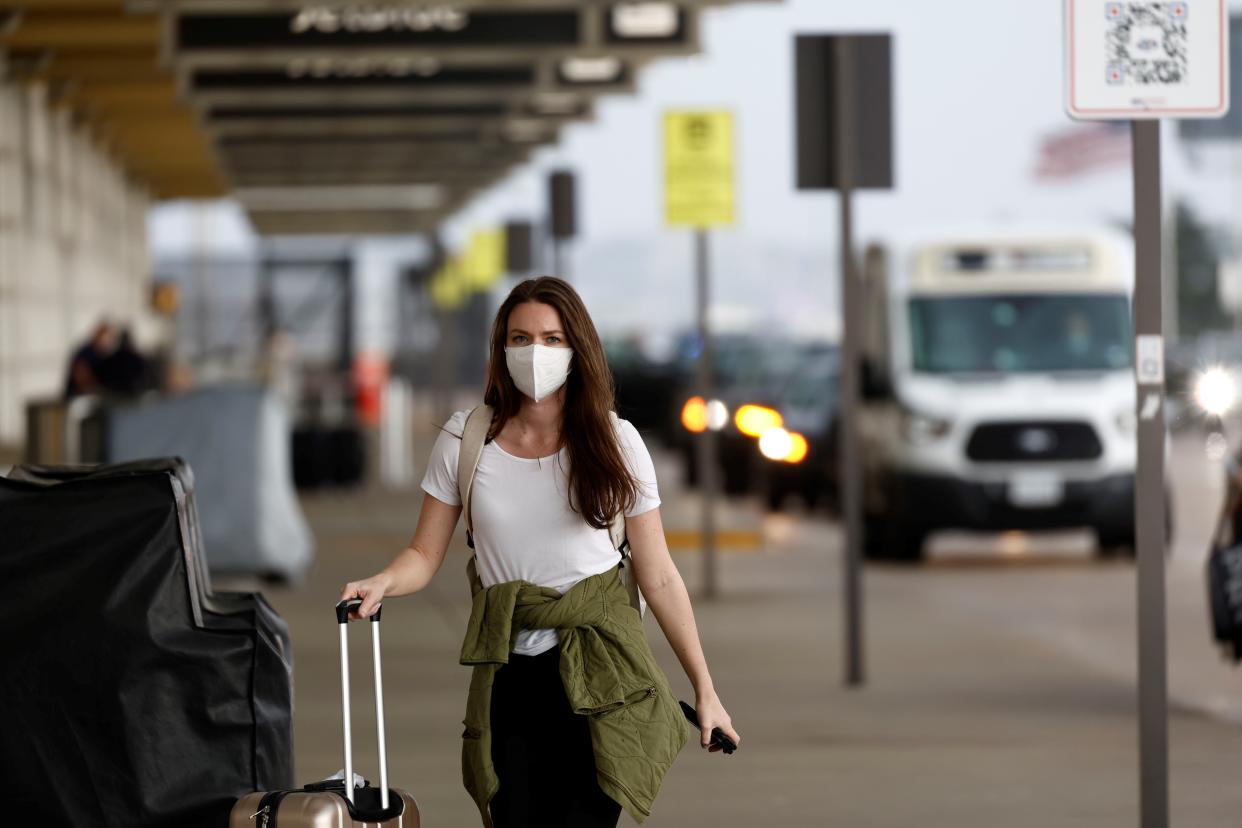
{"x": 817, "y": 111}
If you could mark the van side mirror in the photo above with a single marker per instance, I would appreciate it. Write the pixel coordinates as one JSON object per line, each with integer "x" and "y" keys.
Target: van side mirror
{"x": 875, "y": 384}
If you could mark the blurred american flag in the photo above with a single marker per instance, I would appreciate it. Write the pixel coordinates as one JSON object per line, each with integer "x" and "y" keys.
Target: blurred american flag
{"x": 1083, "y": 148}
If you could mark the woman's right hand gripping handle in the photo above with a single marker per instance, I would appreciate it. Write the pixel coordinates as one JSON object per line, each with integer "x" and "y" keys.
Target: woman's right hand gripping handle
{"x": 371, "y": 591}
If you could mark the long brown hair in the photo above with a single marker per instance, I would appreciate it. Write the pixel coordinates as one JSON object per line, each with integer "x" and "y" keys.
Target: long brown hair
{"x": 600, "y": 482}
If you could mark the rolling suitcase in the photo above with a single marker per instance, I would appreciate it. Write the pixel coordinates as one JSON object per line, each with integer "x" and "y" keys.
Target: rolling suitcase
{"x": 331, "y": 804}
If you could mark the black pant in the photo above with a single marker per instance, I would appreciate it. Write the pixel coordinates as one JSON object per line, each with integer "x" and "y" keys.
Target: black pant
{"x": 542, "y": 751}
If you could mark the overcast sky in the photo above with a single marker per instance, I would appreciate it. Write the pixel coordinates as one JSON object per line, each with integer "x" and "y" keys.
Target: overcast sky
{"x": 978, "y": 83}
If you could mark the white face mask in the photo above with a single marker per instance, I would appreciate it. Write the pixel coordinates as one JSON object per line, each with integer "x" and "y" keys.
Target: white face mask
{"x": 537, "y": 370}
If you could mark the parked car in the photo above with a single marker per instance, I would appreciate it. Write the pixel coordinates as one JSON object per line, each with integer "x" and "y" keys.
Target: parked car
{"x": 808, "y": 406}
{"x": 646, "y": 387}
{"x": 750, "y": 371}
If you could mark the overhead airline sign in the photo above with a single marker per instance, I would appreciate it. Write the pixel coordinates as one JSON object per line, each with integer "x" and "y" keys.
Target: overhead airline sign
{"x": 425, "y": 26}
{"x": 315, "y": 72}
{"x": 319, "y": 28}
{"x": 651, "y": 22}
{"x": 329, "y": 19}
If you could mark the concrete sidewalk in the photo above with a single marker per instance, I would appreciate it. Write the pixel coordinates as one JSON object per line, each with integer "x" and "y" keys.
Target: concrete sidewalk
{"x": 965, "y": 721}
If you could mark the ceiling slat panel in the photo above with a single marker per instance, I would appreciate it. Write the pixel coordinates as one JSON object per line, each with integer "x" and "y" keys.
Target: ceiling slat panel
{"x": 280, "y": 94}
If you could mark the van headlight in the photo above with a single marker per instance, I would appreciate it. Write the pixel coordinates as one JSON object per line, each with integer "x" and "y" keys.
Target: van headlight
{"x": 920, "y": 428}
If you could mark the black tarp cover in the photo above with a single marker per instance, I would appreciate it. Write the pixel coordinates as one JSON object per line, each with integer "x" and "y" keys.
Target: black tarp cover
{"x": 131, "y": 694}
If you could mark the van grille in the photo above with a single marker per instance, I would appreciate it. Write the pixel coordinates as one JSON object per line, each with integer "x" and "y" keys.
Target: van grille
{"x": 1027, "y": 441}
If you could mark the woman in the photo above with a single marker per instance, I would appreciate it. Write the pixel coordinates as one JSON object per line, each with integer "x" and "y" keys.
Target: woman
{"x": 569, "y": 719}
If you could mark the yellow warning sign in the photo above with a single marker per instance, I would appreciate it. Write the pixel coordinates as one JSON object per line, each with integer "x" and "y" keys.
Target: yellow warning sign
{"x": 698, "y": 168}
{"x": 484, "y": 259}
{"x": 448, "y": 286}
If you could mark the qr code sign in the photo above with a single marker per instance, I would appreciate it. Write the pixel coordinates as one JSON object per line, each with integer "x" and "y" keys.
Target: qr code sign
{"x": 1146, "y": 43}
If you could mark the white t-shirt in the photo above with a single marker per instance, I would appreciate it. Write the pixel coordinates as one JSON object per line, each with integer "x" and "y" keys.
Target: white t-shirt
{"x": 523, "y": 526}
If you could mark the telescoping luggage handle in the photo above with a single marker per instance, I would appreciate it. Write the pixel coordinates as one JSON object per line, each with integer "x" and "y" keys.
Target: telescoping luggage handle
{"x": 342, "y": 620}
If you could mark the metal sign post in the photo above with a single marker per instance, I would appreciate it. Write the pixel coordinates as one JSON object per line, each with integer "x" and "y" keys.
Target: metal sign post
{"x": 845, "y": 147}
{"x": 1149, "y": 486}
{"x": 558, "y": 259}
{"x": 1142, "y": 62}
{"x": 562, "y": 217}
{"x": 706, "y": 451}
{"x": 519, "y": 247}
{"x": 851, "y": 473}
{"x": 698, "y": 165}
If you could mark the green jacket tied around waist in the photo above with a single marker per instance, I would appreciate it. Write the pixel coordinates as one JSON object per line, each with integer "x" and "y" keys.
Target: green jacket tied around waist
{"x": 610, "y": 677}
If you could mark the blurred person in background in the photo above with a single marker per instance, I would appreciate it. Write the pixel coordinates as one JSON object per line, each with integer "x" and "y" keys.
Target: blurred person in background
{"x": 125, "y": 371}
{"x": 280, "y": 368}
{"x": 565, "y": 683}
{"x": 84, "y": 374}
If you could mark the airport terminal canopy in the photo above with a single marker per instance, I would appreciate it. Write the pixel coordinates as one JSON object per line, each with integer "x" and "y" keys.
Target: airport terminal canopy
{"x": 370, "y": 117}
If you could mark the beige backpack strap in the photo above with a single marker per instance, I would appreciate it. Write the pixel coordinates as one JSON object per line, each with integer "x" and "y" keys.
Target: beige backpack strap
{"x": 616, "y": 529}
{"x": 621, "y": 543}
{"x": 473, "y": 438}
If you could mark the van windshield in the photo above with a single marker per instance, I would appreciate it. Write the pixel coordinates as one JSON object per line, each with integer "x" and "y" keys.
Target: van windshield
{"x": 1020, "y": 333}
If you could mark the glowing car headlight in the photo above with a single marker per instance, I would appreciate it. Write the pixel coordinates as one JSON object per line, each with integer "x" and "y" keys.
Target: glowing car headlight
{"x": 778, "y": 444}
{"x": 699, "y": 415}
{"x": 694, "y": 414}
{"x": 753, "y": 420}
{"x": 1215, "y": 391}
{"x": 717, "y": 415}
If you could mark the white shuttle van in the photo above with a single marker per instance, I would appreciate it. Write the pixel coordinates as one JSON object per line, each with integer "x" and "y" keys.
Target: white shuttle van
{"x": 998, "y": 385}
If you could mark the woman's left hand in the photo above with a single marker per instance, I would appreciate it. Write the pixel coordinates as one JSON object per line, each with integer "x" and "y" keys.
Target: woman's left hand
{"x": 712, "y": 715}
